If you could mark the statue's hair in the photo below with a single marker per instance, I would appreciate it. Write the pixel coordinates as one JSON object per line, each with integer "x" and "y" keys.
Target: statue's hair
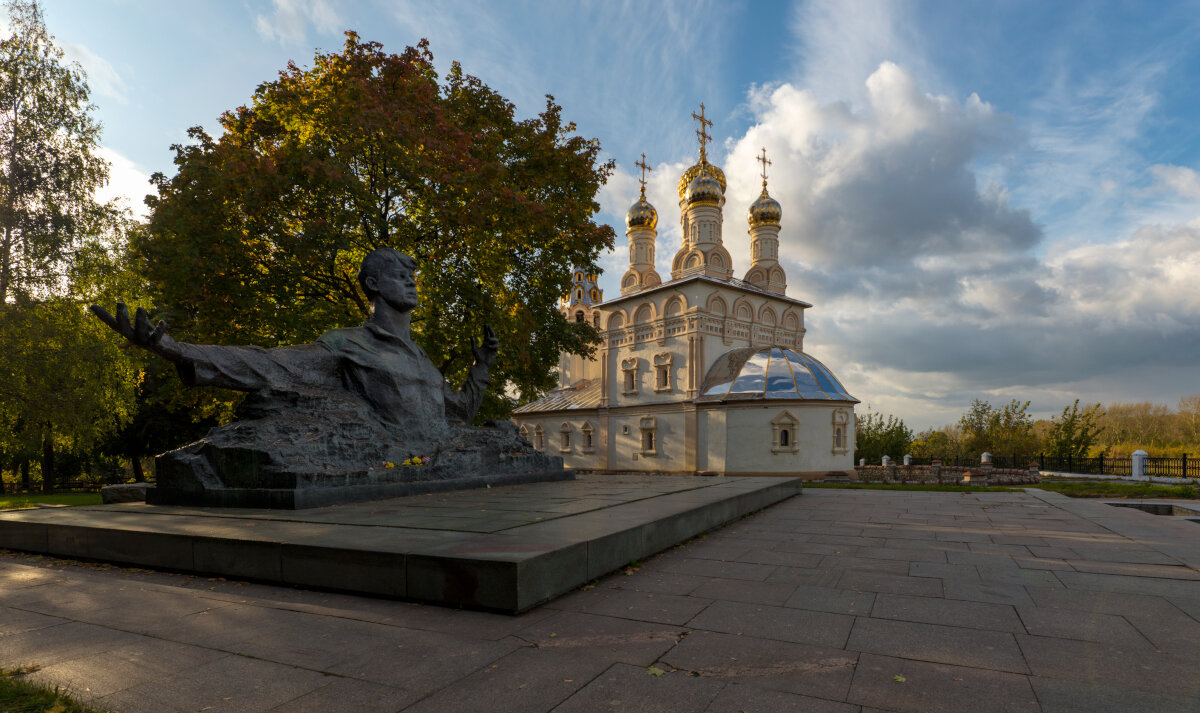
{"x": 379, "y": 260}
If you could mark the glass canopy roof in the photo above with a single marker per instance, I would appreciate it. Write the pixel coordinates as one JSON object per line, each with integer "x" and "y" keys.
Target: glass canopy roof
{"x": 770, "y": 373}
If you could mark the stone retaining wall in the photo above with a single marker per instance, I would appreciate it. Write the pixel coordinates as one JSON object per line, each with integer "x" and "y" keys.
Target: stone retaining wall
{"x": 947, "y": 475}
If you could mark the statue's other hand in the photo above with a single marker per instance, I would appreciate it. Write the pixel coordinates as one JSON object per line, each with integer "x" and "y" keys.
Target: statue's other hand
{"x": 139, "y": 331}
{"x": 485, "y": 353}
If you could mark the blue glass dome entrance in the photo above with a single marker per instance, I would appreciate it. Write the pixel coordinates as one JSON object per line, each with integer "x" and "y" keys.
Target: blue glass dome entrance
{"x": 770, "y": 373}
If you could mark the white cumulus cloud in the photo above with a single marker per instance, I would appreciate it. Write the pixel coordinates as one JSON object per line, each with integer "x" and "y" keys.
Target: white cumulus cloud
{"x": 289, "y": 20}
{"x": 1180, "y": 180}
{"x": 102, "y": 77}
{"x": 128, "y": 183}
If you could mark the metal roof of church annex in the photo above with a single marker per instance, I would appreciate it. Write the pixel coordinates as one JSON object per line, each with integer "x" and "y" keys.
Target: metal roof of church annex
{"x": 580, "y": 395}
{"x": 724, "y": 282}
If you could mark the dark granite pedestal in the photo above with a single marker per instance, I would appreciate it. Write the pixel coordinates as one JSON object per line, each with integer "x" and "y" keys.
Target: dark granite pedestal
{"x": 503, "y": 548}
{"x": 303, "y": 491}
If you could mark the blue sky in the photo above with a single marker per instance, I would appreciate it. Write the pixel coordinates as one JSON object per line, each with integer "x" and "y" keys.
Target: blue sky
{"x": 995, "y": 200}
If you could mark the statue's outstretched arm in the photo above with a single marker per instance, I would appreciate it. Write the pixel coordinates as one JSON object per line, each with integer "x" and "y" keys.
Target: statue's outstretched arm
{"x": 462, "y": 405}
{"x": 229, "y": 367}
{"x": 139, "y": 331}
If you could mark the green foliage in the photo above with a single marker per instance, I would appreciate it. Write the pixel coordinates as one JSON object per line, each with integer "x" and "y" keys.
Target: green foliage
{"x": 935, "y": 444}
{"x": 64, "y": 384}
{"x": 48, "y": 170}
{"x": 258, "y": 236}
{"x": 1114, "y": 431}
{"x": 875, "y": 437}
{"x": 1074, "y": 433}
{"x": 1004, "y": 431}
{"x": 1126, "y": 427}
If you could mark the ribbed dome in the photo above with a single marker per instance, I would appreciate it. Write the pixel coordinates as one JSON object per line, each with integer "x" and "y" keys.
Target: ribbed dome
{"x": 641, "y": 215}
{"x": 702, "y": 167}
{"x": 770, "y": 373}
{"x": 764, "y": 211}
{"x": 704, "y": 188}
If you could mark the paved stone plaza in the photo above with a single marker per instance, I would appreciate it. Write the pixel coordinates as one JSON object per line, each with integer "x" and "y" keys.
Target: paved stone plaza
{"x": 836, "y": 600}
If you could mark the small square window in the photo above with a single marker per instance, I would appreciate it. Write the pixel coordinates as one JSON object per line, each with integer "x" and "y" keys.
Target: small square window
{"x": 783, "y": 434}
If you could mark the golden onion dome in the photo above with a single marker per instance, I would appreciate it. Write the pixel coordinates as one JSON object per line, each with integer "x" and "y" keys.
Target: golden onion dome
{"x": 641, "y": 215}
{"x": 764, "y": 211}
{"x": 704, "y": 188}
{"x": 702, "y": 167}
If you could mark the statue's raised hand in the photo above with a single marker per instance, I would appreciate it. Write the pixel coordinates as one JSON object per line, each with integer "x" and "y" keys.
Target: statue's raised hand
{"x": 139, "y": 331}
{"x": 485, "y": 353}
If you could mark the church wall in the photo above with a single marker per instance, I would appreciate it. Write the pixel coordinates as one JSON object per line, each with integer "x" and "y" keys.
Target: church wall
{"x": 752, "y": 439}
{"x": 670, "y": 443}
{"x": 718, "y": 318}
{"x": 573, "y": 368}
{"x": 712, "y": 446}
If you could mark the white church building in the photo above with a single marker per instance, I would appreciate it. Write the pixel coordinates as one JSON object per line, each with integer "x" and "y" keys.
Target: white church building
{"x": 704, "y": 373}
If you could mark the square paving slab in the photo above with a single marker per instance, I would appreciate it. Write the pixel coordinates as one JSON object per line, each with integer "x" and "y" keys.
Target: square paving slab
{"x": 506, "y": 548}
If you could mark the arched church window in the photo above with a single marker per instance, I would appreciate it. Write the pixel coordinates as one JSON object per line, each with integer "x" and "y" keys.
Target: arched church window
{"x": 784, "y": 434}
{"x": 595, "y": 295}
{"x": 587, "y": 432}
{"x": 579, "y": 293}
{"x": 596, "y": 320}
{"x": 539, "y": 437}
{"x": 564, "y": 445}
{"x": 579, "y": 316}
{"x": 662, "y": 370}
{"x": 649, "y": 428}
{"x": 629, "y": 374}
{"x": 841, "y": 422}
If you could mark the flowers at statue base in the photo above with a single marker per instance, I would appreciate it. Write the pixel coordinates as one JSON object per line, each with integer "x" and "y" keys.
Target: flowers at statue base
{"x": 410, "y": 461}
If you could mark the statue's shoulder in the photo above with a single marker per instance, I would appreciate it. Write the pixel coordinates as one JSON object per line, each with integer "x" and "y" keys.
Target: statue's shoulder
{"x": 339, "y": 339}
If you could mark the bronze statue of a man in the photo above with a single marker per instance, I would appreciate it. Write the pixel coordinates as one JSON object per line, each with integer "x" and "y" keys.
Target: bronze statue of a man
{"x": 338, "y": 413}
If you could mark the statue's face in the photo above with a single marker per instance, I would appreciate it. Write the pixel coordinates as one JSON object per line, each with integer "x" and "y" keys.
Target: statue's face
{"x": 396, "y": 286}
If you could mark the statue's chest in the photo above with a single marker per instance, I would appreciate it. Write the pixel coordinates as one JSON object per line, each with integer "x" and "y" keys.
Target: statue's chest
{"x": 398, "y": 379}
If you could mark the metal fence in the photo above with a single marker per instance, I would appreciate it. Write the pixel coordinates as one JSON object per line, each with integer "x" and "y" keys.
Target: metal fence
{"x": 1162, "y": 466}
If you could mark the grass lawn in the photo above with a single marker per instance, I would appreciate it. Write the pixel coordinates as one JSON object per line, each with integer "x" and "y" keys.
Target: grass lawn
{"x": 1111, "y": 489}
{"x": 20, "y": 695}
{"x": 928, "y": 488}
{"x": 1089, "y": 489}
{"x": 16, "y": 502}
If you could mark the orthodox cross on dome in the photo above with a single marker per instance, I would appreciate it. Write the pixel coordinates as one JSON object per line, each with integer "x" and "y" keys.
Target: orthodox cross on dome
{"x": 702, "y": 132}
{"x": 763, "y": 160}
{"x": 642, "y": 165}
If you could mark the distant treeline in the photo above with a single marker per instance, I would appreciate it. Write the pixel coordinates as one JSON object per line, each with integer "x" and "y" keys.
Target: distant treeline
{"x": 1114, "y": 431}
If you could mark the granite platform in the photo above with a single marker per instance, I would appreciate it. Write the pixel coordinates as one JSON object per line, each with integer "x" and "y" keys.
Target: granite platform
{"x": 504, "y": 549}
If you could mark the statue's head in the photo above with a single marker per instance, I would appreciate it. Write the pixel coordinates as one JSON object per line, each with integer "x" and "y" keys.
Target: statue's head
{"x": 388, "y": 274}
